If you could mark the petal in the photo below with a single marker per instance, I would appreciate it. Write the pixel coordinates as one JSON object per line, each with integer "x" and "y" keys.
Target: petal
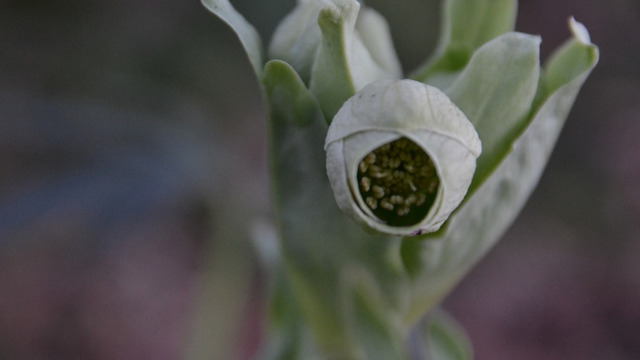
{"x": 403, "y": 104}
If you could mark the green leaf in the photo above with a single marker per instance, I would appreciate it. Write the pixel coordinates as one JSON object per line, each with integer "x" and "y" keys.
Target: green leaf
{"x": 474, "y": 22}
{"x": 287, "y": 338}
{"x": 289, "y": 99}
{"x": 467, "y": 25}
{"x": 319, "y": 243}
{"x": 477, "y": 225}
{"x": 567, "y": 62}
{"x": 495, "y": 91}
{"x": 297, "y": 159}
{"x": 343, "y": 64}
{"x": 368, "y": 318}
{"x": 247, "y": 34}
{"x": 331, "y": 80}
{"x": 446, "y": 339}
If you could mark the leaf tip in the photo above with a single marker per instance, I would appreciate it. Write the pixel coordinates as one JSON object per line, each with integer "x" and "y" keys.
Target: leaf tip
{"x": 579, "y": 31}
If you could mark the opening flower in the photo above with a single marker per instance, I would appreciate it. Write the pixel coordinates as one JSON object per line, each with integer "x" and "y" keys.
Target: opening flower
{"x": 400, "y": 157}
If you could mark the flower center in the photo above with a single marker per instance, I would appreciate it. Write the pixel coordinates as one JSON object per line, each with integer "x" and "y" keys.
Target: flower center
{"x": 398, "y": 182}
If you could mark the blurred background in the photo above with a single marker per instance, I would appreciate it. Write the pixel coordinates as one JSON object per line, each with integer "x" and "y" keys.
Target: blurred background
{"x": 132, "y": 170}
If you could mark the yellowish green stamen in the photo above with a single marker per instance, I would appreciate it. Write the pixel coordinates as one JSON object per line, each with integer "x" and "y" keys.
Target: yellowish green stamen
{"x": 398, "y": 182}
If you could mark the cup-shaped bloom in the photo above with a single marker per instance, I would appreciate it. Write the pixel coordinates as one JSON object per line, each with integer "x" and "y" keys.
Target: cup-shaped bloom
{"x": 401, "y": 157}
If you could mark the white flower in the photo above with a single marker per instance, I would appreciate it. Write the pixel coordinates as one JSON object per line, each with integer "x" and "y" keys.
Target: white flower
{"x": 400, "y": 157}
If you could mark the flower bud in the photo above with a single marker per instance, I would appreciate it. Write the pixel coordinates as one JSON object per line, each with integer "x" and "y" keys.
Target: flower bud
{"x": 369, "y": 51}
{"x": 401, "y": 157}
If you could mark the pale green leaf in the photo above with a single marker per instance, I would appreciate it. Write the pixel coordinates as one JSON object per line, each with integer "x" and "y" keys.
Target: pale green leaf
{"x": 297, "y": 158}
{"x": 343, "y": 64}
{"x": 287, "y": 337}
{"x": 445, "y": 338}
{"x": 247, "y": 34}
{"x": 466, "y": 25}
{"x": 438, "y": 261}
{"x": 495, "y": 91}
{"x": 567, "y": 62}
{"x": 331, "y": 80}
{"x": 289, "y": 99}
{"x": 368, "y": 318}
{"x": 319, "y": 243}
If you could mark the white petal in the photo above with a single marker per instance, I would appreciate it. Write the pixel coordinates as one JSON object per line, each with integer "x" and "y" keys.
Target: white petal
{"x": 403, "y": 104}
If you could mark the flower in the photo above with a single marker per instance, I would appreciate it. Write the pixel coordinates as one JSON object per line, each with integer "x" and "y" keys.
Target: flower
{"x": 400, "y": 157}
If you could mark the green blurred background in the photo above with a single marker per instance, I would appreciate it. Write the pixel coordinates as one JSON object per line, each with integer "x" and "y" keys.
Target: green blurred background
{"x": 132, "y": 172}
